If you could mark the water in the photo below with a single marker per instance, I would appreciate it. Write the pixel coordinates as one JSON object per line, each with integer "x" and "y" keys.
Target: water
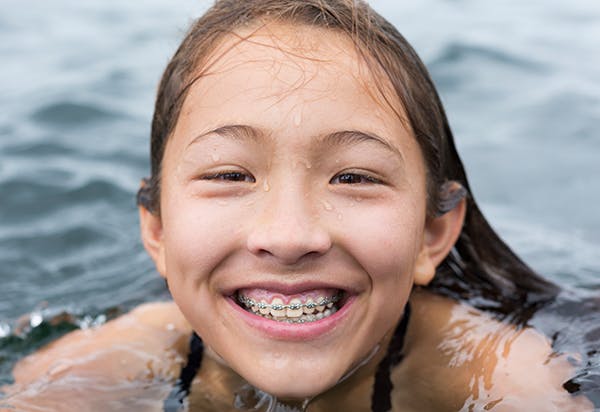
{"x": 520, "y": 81}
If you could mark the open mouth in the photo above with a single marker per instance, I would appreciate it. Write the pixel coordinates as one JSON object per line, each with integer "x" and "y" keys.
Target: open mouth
{"x": 303, "y": 307}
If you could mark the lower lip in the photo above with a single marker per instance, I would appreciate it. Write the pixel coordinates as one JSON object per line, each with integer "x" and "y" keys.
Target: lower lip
{"x": 293, "y": 331}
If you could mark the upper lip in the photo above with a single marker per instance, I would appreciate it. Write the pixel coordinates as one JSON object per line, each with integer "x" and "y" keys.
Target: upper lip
{"x": 287, "y": 288}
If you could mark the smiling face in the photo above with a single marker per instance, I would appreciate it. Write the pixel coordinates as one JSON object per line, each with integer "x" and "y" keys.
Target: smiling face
{"x": 293, "y": 210}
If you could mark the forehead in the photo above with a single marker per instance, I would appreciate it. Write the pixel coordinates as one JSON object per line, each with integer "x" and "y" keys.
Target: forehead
{"x": 291, "y": 81}
{"x": 282, "y": 50}
{"x": 294, "y": 59}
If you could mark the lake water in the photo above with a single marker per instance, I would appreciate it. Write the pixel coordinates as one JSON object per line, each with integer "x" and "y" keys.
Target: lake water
{"x": 520, "y": 81}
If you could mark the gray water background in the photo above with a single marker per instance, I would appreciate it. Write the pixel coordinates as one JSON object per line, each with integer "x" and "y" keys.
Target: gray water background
{"x": 520, "y": 82}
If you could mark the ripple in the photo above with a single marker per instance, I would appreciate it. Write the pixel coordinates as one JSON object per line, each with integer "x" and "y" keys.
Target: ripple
{"x": 71, "y": 240}
{"x": 34, "y": 200}
{"x": 36, "y": 149}
{"x": 72, "y": 114}
{"x": 455, "y": 53}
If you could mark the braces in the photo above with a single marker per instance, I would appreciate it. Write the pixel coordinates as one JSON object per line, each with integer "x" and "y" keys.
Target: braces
{"x": 322, "y": 302}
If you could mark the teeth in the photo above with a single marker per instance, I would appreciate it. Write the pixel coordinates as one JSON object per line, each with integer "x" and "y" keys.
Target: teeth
{"x": 293, "y": 312}
{"x": 294, "y": 309}
{"x": 263, "y": 307}
{"x": 277, "y": 309}
{"x": 309, "y": 307}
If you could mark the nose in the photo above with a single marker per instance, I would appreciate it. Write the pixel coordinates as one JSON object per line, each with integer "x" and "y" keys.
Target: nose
{"x": 288, "y": 229}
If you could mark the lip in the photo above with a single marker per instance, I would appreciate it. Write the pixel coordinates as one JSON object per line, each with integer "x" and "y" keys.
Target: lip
{"x": 292, "y": 332}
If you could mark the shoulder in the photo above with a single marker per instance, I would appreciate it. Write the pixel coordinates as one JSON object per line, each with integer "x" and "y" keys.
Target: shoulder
{"x": 458, "y": 356}
{"x": 148, "y": 344}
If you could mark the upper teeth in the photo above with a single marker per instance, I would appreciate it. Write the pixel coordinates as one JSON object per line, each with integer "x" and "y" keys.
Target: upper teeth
{"x": 295, "y": 304}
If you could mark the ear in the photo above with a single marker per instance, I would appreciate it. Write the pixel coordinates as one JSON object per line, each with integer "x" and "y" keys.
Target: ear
{"x": 441, "y": 233}
{"x": 152, "y": 236}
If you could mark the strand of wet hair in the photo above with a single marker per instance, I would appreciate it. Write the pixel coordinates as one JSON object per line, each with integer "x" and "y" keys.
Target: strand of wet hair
{"x": 381, "y": 400}
{"x": 175, "y": 401}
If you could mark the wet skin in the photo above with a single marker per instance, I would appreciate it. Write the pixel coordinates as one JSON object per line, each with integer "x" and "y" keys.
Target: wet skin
{"x": 454, "y": 356}
{"x": 287, "y": 172}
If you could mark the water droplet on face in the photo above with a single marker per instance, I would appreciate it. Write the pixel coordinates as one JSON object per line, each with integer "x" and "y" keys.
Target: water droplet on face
{"x": 222, "y": 202}
{"x": 297, "y": 118}
{"x": 327, "y": 205}
{"x": 215, "y": 157}
{"x": 339, "y": 216}
{"x": 266, "y": 186}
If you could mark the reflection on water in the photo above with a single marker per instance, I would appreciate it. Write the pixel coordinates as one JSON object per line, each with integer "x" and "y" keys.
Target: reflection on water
{"x": 77, "y": 94}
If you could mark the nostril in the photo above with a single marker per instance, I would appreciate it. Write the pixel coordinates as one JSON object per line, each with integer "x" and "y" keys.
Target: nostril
{"x": 289, "y": 246}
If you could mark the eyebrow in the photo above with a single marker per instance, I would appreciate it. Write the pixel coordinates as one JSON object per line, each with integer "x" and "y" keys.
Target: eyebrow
{"x": 344, "y": 137}
{"x": 234, "y": 132}
{"x": 338, "y": 138}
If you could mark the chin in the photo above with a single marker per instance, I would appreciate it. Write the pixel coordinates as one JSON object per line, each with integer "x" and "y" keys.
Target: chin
{"x": 297, "y": 388}
{"x": 292, "y": 373}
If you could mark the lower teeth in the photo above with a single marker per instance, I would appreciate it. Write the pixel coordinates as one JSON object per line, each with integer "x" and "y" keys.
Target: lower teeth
{"x": 302, "y": 319}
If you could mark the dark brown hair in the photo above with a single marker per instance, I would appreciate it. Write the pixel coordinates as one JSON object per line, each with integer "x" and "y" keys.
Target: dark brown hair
{"x": 481, "y": 268}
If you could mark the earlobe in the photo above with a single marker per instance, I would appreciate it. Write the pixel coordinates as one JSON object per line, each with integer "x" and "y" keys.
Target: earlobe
{"x": 152, "y": 237}
{"x": 441, "y": 233}
{"x": 424, "y": 268}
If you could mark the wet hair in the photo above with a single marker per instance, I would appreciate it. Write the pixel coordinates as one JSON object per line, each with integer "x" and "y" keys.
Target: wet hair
{"x": 481, "y": 268}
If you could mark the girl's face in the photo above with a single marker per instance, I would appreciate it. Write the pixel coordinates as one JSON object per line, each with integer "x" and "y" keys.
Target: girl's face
{"x": 288, "y": 181}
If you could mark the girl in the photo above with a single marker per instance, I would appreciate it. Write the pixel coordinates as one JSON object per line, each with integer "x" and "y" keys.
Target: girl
{"x": 311, "y": 216}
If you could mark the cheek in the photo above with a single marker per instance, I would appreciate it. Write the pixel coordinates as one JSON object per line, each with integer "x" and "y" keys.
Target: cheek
{"x": 197, "y": 235}
{"x": 385, "y": 240}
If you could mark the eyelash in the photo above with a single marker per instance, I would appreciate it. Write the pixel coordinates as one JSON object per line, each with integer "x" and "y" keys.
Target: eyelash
{"x": 363, "y": 179}
{"x": 342, "y": 178}
{"x": 230, "y": 177}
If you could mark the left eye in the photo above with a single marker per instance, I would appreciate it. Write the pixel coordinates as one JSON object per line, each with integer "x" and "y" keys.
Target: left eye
{"x": 353, "y": 178}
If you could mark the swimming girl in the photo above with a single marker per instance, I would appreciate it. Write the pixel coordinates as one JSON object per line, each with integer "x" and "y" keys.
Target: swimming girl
{"x": 315, "y": 226}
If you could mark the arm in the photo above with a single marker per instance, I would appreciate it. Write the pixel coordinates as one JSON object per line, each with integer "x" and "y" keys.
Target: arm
{"x": 457, "y": 356}
{"x": 141, "y": 351}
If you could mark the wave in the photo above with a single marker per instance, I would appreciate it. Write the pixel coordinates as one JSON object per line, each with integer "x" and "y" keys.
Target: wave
{"x": 72, "y": 114}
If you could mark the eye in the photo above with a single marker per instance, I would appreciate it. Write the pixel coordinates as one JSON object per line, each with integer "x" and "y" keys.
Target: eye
{"x": 353, "y": 178}
{"x": 230, "y": 176}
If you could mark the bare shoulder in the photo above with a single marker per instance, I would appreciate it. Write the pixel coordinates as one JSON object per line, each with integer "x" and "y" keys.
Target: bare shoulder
{"x": 147, "y": 344}
{"x": 460, "y": 356}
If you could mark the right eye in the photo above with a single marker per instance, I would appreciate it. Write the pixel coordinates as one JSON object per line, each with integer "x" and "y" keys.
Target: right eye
{"x": 230, "y": 176}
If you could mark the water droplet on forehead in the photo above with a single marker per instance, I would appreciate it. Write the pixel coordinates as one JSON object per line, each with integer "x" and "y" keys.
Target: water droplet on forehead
{"x": 215, "y": 157}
